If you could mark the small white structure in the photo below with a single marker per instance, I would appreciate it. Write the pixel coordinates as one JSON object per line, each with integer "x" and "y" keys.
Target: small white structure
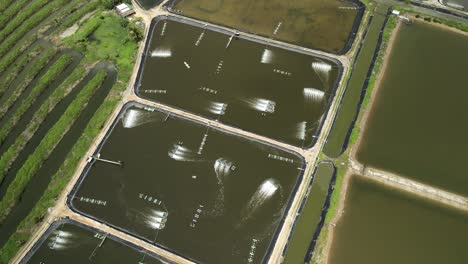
{"x": 395, "y": 12}
{"x": 124, "y": 10}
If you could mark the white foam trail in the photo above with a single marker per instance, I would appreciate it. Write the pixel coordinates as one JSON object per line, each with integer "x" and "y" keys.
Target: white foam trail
{"x": 156, "y": 219}
{"x": 222, "y": 169}
{"x": 313, "y": 95}
{"x": 181, "y": 153}
{"x": 301, "y": 130}
{"x": 56, "y": 246}
{"x": 264, "y": 192}
{"x": 267, "y": 56}
{"x": 134, "y": 117}
{"x": 161, "y": 53}
{"x": 217, "y": 108}
{"x": 61, "y": 233}
{"x": 262, "y": 105}
{"x": 322, "y": 69}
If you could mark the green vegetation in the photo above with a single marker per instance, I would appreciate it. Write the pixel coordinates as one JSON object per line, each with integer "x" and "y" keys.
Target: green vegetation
{"x": 41, "y": 114}
{"x": 12, "y": 55}
{"x": 78, "y": 14}
{"x": 104, "y": 36}
{"x": 17, "y": 68}
{"x": 35, "y": 160}
{"x": 32, "y": 73}
{"x": 59, "y": 181}
{"x": 24, "y": 26}
{"x": 12, "y": 10}
{"x": 42, "y": 83}
{"x": 45, "y": 80}
{"x": 117, "y": 41}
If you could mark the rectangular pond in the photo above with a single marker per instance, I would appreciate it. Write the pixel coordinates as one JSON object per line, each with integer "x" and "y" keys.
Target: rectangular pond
{"x": 268, "y": 90}
{"x": 418, "y": 124}
{"x": 73, "y": 243}
{"x": 386, "y": 226}
{"x": 199, "y": 192}
{"x": 328, "y": 25}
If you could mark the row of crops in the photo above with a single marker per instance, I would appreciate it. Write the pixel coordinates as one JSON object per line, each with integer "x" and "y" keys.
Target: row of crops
{"x": 56, "y": 93}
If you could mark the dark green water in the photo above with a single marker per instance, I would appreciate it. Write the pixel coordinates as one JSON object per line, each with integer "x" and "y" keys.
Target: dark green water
{"x": 225, "y": 195}
{"x": 41, "y": 179}
{"x": 418, "y": 126}
{"x": 263, "y": 89}
{"x": 319, "y": 24}
{"x": 78, "y": 244}
{"x": 147, "y": 4}
{"x": 382, "y": 225}
{"x": 350, "y": 105}
{"x": 310, "y": 215}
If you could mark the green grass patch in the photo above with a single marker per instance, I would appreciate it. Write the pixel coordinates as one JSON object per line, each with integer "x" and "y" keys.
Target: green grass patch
{"x": 107, "y": 37}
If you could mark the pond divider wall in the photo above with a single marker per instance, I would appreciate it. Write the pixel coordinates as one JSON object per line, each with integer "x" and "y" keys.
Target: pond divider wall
{"x": 325, "y": 207}
{"x": 157, "y": 19}
{"x": 109, "y": 132}
{"x": 67, "y": 220}
{"x": 169, "y": 5}
{"x": 365, "y": 84}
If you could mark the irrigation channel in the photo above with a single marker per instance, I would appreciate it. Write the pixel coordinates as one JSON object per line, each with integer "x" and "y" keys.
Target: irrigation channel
{"x": 385, "y": 225}
{"x": 351, "y": 102}
{"x": 202, "y": 193}
{"x": 40, "y": 181}
{"x": 311, "y": 215}
{"x": 328, "y": 25}
{"x": 424, "y": 138}
{"x": 72, "y": 242}
{"x": 239, "y": 81}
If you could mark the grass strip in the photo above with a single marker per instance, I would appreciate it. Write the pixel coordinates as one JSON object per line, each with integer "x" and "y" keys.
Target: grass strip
{"x": 59, "y": 180}
{"x": 32, "y": 73}
{"x": 22, "y": 17}
{"x": 27, "y": 25}
{"x": 77, "y": 15}
{"x": 4, "y": 4}
{"x": 10, "y": 57}
{"x": 50, "y": 141}
{"x": 43, "y": 83}
{"x": 17, "y": 68}
{"x": 9, "y": 156}
{"x": 11, "y": 11}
